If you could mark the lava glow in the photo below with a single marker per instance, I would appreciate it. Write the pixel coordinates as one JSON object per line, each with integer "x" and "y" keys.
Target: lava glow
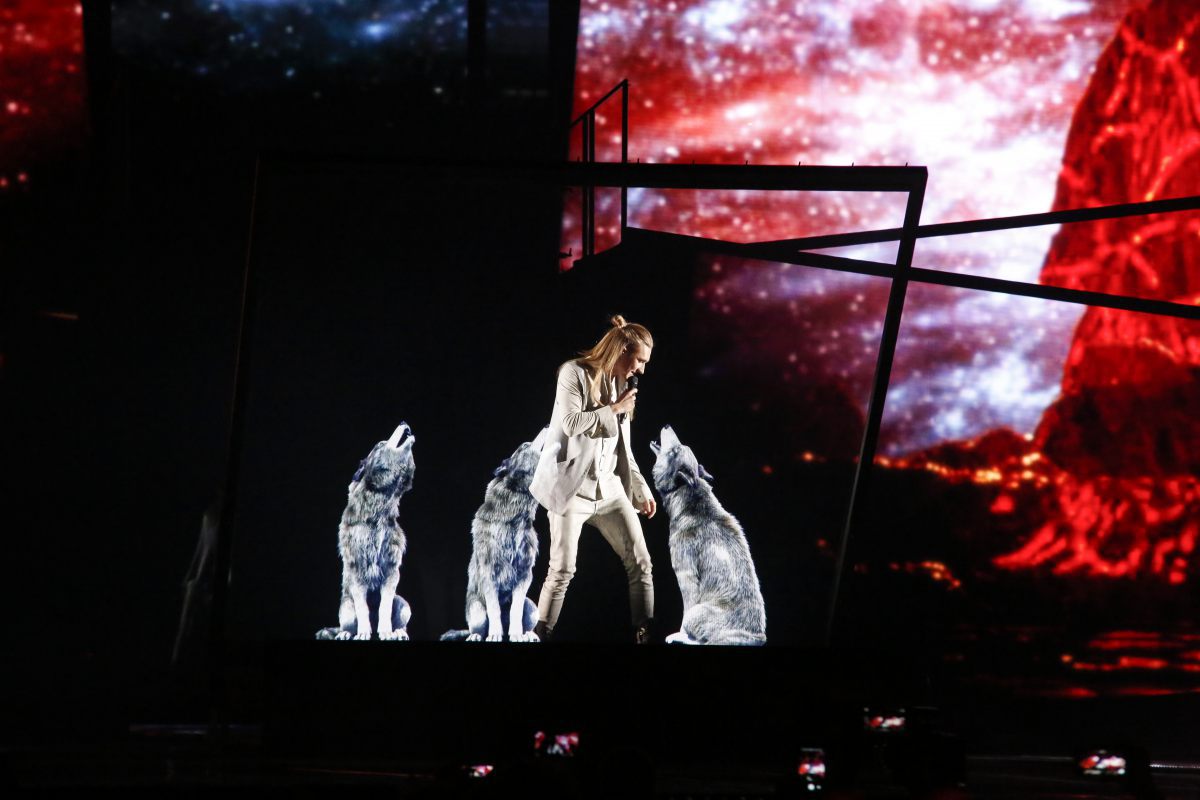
{"x": 1130, "y": 651}
{"x": 1124, "y": 431}
{"x": 1116, "y": 528}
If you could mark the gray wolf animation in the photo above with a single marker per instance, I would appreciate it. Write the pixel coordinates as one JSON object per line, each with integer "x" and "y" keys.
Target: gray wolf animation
{"x": 722, "y": 601}
{"x": 372, "y": 543}
{"x": 504, "y": 546}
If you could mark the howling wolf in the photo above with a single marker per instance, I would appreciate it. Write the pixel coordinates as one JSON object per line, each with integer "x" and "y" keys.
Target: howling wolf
{"x": 504, "y": 547}
{"x": 722, "y": 602}
{"x": 372, "y": 543}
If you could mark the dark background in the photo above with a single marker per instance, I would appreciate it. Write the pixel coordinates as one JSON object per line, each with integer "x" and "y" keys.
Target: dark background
{"x": 397, "y": 273}
{"x": 118, "y": 410}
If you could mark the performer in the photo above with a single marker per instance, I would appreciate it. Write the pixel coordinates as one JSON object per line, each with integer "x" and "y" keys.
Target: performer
{"x": 592, "y": 477}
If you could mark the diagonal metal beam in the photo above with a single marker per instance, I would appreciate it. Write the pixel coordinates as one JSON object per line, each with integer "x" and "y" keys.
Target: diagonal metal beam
{"x": 784, "y": 255}
{"x": 901, "y": 275}
{"x": 700, "y": 244}
{"x": 986, "y": 225}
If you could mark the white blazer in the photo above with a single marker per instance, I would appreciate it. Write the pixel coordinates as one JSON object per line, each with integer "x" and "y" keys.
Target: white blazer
{"x": 576, "y": 426}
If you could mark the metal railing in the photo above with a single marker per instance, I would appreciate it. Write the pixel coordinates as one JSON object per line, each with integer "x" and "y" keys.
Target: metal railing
{"x": 588, "y": 156}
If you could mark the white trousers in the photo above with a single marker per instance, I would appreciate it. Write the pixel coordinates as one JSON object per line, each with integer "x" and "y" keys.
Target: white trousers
{"x": 618, "y": 523}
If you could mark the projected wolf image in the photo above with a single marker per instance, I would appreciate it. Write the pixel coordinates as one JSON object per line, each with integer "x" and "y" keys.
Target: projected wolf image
{"x": 504, "y": 546}
{"x": 722, "y": 601}
{"x": 372, "y": 543}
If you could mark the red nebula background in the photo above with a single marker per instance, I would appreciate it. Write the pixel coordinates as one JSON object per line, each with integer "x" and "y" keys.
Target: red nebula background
{"x": 996, "y": 99}
{"x": 43, "y": 117}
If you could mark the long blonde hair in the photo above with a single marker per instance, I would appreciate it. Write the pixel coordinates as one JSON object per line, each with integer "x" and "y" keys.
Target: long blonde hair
{"x": 601, "y": 359}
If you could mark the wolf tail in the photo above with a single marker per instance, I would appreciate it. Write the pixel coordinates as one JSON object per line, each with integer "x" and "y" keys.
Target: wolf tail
{"x": 454, "y": 636}
{"x": 741, "y": 638}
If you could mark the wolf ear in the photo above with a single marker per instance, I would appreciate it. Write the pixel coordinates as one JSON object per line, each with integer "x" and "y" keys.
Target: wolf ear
{"x": 705, "y": 474}
{"x": 654, "y": 446}
{"x": 502, "y": 469}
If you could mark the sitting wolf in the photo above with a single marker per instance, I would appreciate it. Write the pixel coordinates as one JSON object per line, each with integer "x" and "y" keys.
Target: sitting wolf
{"x": 722, "y": 602}
{"x": 504, "y": 546}
{"x": 372, "y": 543}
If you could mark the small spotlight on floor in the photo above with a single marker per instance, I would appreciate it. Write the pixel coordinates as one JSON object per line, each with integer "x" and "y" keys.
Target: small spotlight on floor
{"x": 558, "y": 745}
{"x": 806, "y": 778}
{"x": 810, "y": 769}
{"x": 884, "y": 720}
{"x": 1126, "y": 765}
{"x": 1104, "y": 763}
{"x": 478, "y": 770}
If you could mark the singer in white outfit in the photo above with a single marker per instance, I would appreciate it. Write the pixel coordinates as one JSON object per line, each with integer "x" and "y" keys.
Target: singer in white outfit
{"x": 587, "y": 472}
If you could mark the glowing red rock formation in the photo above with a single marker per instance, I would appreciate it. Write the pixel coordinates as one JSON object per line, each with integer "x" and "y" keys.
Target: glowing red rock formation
{"x": 1124, "y": 436}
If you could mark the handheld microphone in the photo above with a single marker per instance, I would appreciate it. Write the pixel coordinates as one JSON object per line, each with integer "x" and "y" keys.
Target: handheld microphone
{"x": 633, "y": 382}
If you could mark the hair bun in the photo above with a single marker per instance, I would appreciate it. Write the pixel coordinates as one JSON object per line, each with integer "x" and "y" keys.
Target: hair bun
{"x": 618, "y": 321}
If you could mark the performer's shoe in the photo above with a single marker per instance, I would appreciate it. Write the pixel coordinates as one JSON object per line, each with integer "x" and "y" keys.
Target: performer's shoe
{"x": 544, "y": 632}
{"x": 641, "y": 633}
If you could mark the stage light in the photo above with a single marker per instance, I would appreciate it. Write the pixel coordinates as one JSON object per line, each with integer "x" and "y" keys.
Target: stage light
{"x": 1102, "y": 762}
{"x": 559, "y": 745}
{"x": 806, "y": 776}
{"x": 1127, "y": 765}
{"x": 478, "y": 770}
{"x": 884, "y": 721}
{"x": 810, "y": 769}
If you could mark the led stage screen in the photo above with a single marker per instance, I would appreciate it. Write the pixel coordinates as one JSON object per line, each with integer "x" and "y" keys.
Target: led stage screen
{"x": 1062, "y": 555}
{"x": 1016, "y": 108}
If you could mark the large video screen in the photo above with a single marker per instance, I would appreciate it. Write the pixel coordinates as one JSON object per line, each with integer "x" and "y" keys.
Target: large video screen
{"x": 1003, "y": 475}
{"x": 983, "y": 94}
{"x": 1009, "y": 475}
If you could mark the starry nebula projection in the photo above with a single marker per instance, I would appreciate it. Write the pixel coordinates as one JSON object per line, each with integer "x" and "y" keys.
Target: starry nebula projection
{"x": 43, "y": 117}
{"x": 980, "y": 91}
{"x": 309, "y": 47}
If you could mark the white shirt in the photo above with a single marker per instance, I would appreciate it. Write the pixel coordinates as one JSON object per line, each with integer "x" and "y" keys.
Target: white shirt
{"x": 602, "y": 481}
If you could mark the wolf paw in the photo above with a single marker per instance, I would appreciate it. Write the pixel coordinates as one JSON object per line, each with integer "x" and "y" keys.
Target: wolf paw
{"x": 474, "y": 637}
{"x": 394, "y": 636}
{"x": 528, "y": 636}
{"x": 680, "y": 638}
{"x": 343, "y": 636}
{"x": 362, "y": 637}
{"x": 495, "y": 637}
